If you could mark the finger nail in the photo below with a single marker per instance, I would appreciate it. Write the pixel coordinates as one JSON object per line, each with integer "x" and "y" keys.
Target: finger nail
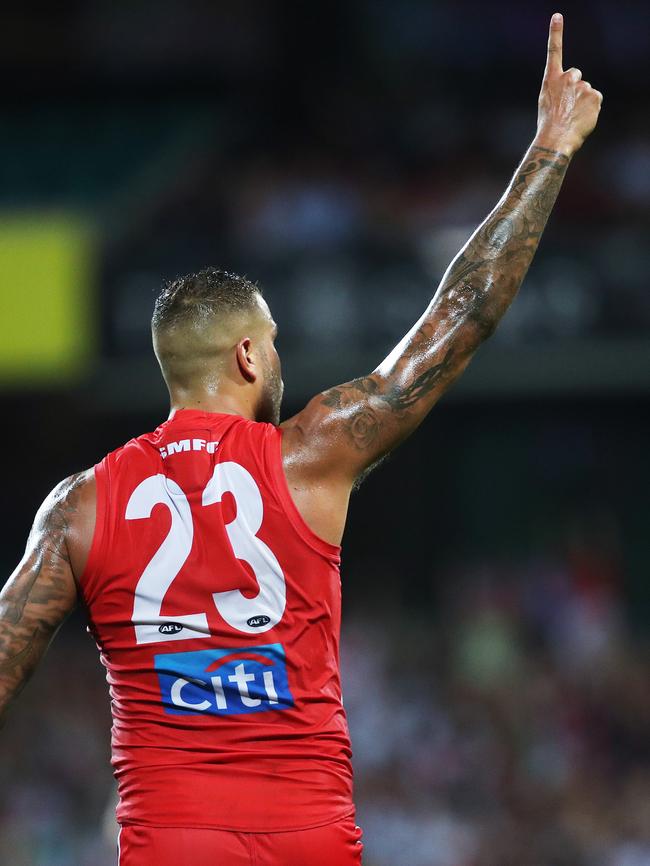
{"x": 557, "y": 18}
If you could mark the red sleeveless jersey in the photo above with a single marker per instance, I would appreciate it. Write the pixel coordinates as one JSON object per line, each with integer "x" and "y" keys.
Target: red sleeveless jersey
{"x": 217, "y": 614}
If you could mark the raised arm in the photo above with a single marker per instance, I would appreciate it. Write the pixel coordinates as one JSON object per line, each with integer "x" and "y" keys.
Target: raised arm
{"x": 42, "y": 590}
{"x": 346, "y": 429}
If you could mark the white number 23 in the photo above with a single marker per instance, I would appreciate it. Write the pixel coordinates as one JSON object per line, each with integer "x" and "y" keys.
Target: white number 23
{"x": 265, "y": 610}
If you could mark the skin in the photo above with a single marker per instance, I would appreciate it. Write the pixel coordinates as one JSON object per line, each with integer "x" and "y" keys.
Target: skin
{"x": 344, "y": 431}
{"x": 42, "y": 591}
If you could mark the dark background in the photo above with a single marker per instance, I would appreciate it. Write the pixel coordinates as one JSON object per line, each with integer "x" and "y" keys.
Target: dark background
{"x": 496, "y": 603}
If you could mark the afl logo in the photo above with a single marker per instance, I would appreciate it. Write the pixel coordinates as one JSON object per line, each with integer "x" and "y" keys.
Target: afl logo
{"x": 258, "y": 621}
{"x": 170, "y": 628}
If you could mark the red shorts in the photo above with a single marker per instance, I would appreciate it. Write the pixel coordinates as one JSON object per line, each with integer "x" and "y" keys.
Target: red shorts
{"x": 337, "y": 844}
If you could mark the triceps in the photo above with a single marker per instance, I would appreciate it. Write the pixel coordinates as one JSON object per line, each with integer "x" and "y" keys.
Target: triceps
{"x": 376, "y": 412}
{"x": 29, "y": 616}
{"x": 39, "y": 595}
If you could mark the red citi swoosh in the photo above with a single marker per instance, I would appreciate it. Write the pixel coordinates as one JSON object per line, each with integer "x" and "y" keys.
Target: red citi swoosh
{"x": 237, "y": 656}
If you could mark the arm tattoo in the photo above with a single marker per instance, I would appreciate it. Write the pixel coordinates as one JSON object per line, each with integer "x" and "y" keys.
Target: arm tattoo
{"x": 485, "y": 276}
{"x": 404, "y": 398}
{"x": 41, "y": 592}
{"x": 478, "y": 287}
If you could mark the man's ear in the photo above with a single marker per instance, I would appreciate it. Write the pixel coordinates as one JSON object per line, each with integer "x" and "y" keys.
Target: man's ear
{"x": 245, "y": 362}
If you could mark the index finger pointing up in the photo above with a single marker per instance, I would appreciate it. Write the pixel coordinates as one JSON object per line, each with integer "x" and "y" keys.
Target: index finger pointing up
{"x": 554, "y": 54}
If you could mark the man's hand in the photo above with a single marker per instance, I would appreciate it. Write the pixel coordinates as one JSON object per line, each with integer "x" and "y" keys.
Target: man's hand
{"x": 568, "y": 106}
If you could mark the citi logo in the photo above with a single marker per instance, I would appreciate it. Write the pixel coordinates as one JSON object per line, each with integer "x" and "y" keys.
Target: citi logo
{"x": 224, "y": 681}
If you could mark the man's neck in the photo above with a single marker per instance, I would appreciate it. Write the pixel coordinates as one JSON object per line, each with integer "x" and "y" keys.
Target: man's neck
{"x": 223, "y": 404}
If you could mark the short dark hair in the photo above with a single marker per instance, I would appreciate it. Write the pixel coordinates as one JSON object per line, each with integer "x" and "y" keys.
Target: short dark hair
{"x": 196, "y": 297}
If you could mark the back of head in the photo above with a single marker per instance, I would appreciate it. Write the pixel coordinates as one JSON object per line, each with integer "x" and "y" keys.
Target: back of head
{"x": 196, "y": 319}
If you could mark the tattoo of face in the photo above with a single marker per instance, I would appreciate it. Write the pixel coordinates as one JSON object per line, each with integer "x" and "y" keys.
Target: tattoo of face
{"x": 363, "y": 428}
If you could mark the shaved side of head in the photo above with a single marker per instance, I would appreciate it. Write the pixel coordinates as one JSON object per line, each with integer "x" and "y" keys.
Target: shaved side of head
{"x": 197, "y": 319}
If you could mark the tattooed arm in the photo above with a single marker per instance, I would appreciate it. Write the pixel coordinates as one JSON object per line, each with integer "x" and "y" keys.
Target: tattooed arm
{"x": 346, "y": 429}
{"x": 42, "y": 590}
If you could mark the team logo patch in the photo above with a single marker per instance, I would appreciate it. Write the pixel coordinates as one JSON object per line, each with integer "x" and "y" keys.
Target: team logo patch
{"x": 224, "y": 681}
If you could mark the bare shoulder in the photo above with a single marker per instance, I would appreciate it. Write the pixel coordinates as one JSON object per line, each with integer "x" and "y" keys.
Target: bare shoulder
{"x": 65, "y": 522}
{"x": 305, "y": 439}
{"x": 335, "y": 407}
{"x": 298, "y": 441}
{"x": 344, "y": 430}
{"x": 43, "y": 587}
{"x": 321, "y": 494}
{"x": 66, "y": 496}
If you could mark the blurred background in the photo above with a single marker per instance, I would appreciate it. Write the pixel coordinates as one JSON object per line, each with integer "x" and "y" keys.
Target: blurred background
{"x": 495, "y": 651}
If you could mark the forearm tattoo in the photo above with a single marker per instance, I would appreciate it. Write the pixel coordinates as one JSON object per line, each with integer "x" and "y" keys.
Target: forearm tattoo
{"x": 475, "y": 292}
{"x": 40, "y": 594}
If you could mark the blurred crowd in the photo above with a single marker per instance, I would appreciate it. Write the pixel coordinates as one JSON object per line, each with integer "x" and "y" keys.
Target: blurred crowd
{"x": 350, "y": 252}
{"x": 507, "y": 727}
{"x": 511, "y": 731}
{"x": 339, "y": 153}
{"x": 349, "y": 236}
